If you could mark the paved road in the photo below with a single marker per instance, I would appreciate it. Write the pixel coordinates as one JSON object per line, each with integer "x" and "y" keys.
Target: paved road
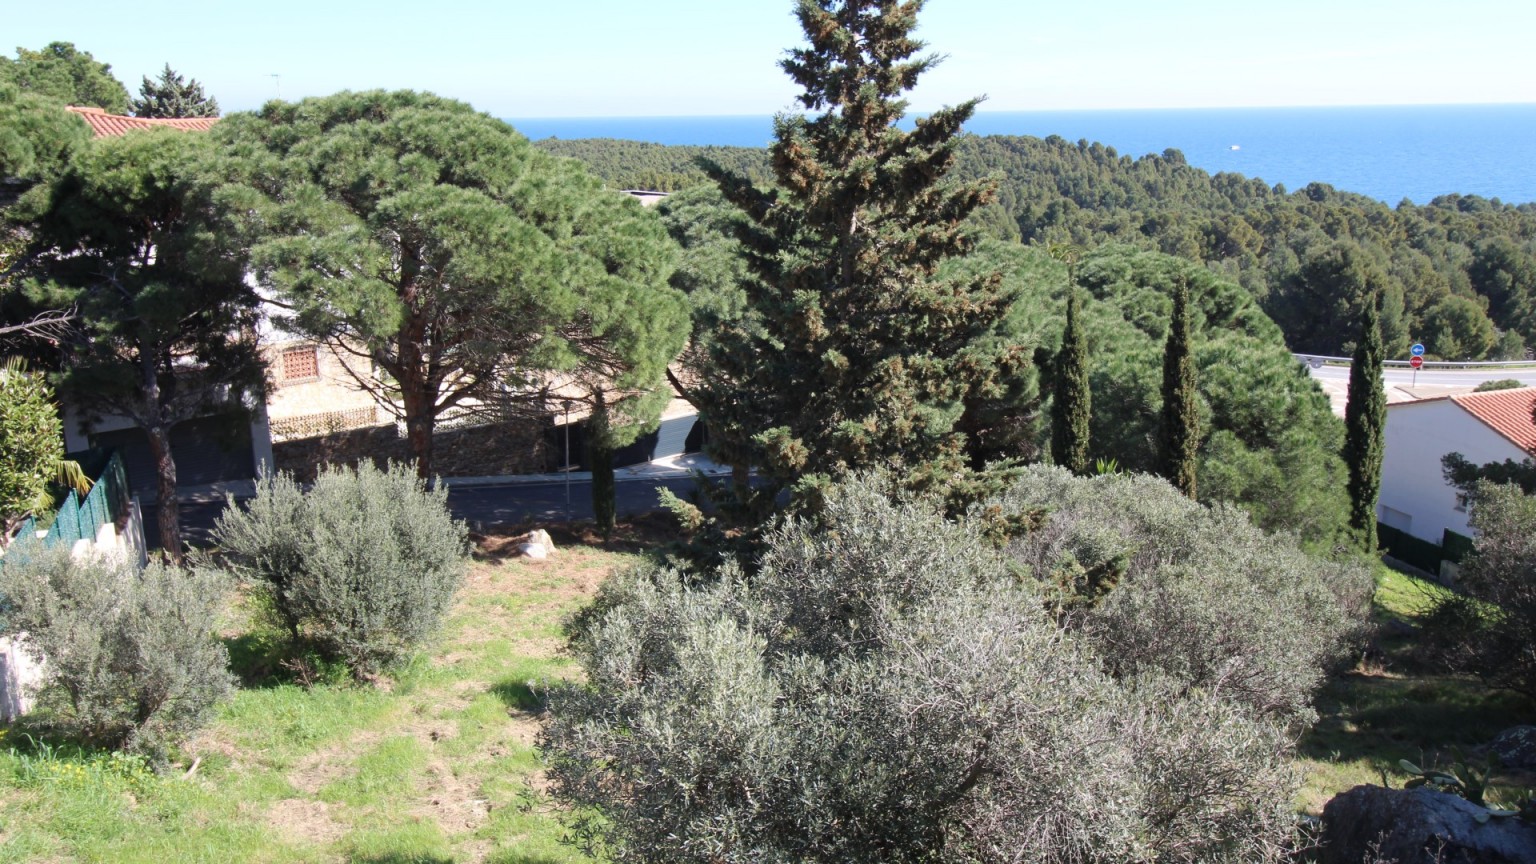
{"x": 481, "y": 506}
{"x": 1403, "y": 386}
{"x": 1432, "y": 377}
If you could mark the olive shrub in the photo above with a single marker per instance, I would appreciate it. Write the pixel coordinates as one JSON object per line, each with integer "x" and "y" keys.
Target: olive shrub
{"x": 1159, "y": 584}
{"x": 887, "y": 687}
{"x": 362, "y": 567}
{"x": 130, "y": 658}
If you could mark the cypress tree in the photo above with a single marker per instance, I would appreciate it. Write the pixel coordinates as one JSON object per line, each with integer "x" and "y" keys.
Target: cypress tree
{"x": 854, "y": 353}
{"x": 600, "y": 456}
{"x": 1071, "y": 405}
{"x": 1365, "y": 420}
{"x": 1181, "y": 416}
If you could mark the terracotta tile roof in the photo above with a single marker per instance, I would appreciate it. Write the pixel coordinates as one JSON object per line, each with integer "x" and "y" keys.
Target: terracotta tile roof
{"x": 1507, "y": 412}
{"x": 105, "y": 125}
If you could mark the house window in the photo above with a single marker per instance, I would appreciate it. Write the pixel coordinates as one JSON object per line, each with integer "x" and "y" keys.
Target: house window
{"x": 300, "y": 364}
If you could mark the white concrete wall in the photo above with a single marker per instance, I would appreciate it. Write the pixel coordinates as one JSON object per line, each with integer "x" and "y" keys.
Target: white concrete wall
{"x": 1418, "y": 436}
{"x": 19, "y": 675}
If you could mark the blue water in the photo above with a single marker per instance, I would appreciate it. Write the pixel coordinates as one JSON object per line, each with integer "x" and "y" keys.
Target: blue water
{"x": 1387, "y": 152}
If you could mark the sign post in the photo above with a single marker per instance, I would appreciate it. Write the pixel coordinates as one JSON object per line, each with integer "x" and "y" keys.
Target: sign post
{"x": 1416, "y": 360}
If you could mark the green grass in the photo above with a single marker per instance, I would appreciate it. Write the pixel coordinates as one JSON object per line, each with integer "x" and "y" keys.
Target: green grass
{"x": 436, "y": 765}
{"x": 1391, "y": 708}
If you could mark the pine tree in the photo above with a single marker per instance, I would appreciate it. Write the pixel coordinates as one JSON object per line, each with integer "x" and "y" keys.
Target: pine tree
{"x": 1365, "y": 420}
{"x": 1071, "y": 405}
{"x": 854, "y": 353}
{"x": 171, "y": 96}
{"x": 474, "y": 271}
{"x": 1181, "y": 414}
{"x": 142, "y": 235}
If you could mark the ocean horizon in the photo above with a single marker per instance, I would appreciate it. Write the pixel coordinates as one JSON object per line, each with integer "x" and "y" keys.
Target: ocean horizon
{"x": 1390, "y": 153}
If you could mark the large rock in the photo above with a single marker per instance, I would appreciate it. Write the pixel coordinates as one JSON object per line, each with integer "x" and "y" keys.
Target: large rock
{"x": 1516, "y": 748}
{"x": 535, "y": 544}
{"x": 1420, "y": 826}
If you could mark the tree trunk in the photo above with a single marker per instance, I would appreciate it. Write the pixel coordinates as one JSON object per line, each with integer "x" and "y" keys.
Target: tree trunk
{"x": 165, "y": 488}
{"x": 418, "y": 428}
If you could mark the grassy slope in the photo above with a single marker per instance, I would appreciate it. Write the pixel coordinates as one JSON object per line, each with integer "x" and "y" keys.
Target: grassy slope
{"x": 439, "y": 766}
{"x": 436, "y": 766}
{"x": 1389, "y": 708}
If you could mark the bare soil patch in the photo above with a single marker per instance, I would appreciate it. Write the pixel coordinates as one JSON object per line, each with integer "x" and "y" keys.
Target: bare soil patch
{"x": 302, "y": 821}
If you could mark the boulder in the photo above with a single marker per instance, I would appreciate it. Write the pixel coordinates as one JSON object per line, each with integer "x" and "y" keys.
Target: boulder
{"x": 1516, "y": 748}
{"x": 1420, "y": 826}
{"x": 535, "y": 544}
{"x": 536, "y": 551}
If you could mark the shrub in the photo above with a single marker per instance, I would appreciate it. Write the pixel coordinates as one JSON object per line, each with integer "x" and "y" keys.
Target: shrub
{"x": 1487, "y": 631}
{"x": 1501, "y": 384}
{"x": 31, "y": 442}
{"x": 362, "y": 567}
{"x": 885, "y": 689}
{"x": 1195, "y": 594}
{"x": 131, "y": 659}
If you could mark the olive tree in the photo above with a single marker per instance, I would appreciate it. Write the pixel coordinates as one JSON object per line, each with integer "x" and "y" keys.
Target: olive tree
{"x": 885, "y": 688}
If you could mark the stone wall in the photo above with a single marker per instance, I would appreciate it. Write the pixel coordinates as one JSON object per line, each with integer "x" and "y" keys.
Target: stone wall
{"x": 517, "y": 447}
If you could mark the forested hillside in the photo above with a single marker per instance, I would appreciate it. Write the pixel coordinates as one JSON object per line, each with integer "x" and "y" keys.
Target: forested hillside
{"x": 1458, "y": 274}
{"x": 1269, "y": 442}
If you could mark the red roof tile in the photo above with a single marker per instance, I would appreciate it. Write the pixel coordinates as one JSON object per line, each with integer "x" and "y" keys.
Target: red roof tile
{"x": 105, "y": 125}
{"x": 1507, "y": 412}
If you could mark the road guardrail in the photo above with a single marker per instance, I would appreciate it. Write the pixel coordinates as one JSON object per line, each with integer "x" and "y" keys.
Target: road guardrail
{"x": 1316, "y": 360}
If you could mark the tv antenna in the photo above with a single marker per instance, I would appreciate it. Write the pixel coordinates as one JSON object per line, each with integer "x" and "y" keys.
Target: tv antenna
{"x": 278, "y": 80}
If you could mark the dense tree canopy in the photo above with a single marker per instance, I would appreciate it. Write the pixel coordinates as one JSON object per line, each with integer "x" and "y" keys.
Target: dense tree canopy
{"x": 170, "y": 95}
{"x": 136, "y": 238}
{"x": 1278, "y": 245}
{"x": 67, "y": 75}
{"x": 434, "y": 243}
{"x": 858, "y": 354}
{"x": 37, "y": 138}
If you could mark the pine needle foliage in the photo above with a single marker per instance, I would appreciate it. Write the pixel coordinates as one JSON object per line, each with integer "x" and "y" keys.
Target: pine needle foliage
{"x": 171, "y": 96}
{"x": 1181, "y": 394}
{"x": 858, "y": 354}
{"x": 1072, "y": 406}
{"x": 419, "y": 237}
{"x": 1365, "y": 422}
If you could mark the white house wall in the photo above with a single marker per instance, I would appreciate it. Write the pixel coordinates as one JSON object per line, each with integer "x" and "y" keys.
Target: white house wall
{"x": 1418, "y": 436}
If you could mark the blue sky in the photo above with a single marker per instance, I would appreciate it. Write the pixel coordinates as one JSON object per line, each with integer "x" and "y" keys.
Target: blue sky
{"x": 536, "y": 58}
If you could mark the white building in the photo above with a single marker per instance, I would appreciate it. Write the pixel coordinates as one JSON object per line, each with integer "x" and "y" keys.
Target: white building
{"x": 1483, "y": 427}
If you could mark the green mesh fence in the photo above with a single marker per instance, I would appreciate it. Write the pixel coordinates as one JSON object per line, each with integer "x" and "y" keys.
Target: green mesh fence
{"x": 1456, "y": 546}
{"x": 1409, "y": 549}
{"x": 80, "y": 519}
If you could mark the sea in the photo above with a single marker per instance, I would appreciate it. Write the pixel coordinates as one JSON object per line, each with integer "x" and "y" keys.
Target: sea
{"x": 1390, "y": 153}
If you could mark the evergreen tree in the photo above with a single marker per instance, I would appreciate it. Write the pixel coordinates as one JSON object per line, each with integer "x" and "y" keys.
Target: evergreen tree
{"x": 1365, "y": 421}
{"x": 600, "y": 449}
{"x": 138, "y": 238}
{"x": 1181, "y": 414}
{"x": 437, "y": 245}
{"x": 63, "y": 73}
{"x": 171, "y": 96}
{"x": 1071, "y": 406}
{"x": 853, "y": 352}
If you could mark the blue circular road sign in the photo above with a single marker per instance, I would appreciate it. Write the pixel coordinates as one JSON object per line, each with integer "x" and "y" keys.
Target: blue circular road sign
{"x": 1417, "y": 350}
